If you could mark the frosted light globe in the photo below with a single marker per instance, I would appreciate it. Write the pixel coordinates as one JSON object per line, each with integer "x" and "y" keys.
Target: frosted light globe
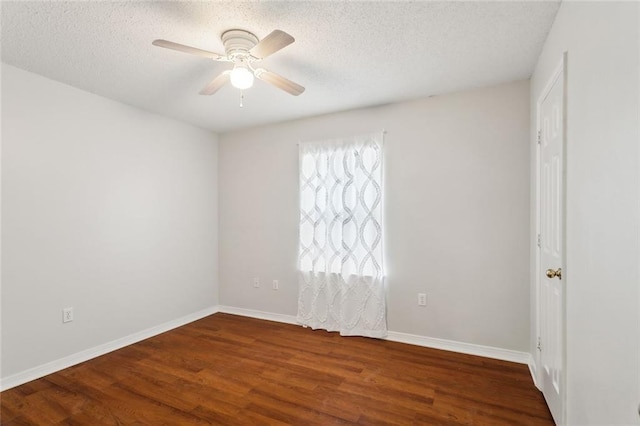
{"x": 241, "y": 77}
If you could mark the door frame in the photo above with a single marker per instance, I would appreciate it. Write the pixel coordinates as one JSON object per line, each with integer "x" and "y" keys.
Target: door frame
{"x": 560, "y": 72}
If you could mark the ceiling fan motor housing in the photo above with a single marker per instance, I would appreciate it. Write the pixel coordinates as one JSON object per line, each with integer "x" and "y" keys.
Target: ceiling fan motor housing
{"x": 238, "y": 42}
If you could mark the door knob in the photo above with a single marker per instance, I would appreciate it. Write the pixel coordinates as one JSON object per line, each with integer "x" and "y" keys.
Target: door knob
{"x": 552, "y": 274}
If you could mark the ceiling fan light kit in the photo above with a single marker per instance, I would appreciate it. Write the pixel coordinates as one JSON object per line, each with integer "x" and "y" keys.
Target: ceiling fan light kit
{"x": 241, "y": 77}
{"x": 243, "y": 49}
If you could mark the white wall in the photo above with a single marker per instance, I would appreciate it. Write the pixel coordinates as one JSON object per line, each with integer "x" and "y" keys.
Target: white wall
{"x": 457, "y": 212}
{"x": 106, "y": 209}
{"x": 603, "y": 215}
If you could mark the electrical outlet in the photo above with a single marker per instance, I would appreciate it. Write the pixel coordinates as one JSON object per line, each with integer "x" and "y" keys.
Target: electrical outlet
{"x": 422, "y": 299}
{"x": 67, "y": 315}
{"x": 276, "y": 285}
{"x": 256, "y": 282}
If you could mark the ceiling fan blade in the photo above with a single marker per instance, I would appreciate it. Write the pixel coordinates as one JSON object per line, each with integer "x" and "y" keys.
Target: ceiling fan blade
{"x": 216, "y": 84}
{"x": 186, "y": 49}
{"x": 279, "y": 81}
{"x": 271, "y": 44}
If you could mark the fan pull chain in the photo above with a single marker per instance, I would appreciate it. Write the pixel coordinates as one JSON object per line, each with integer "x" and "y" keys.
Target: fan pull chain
{"x": 241, "y": 98}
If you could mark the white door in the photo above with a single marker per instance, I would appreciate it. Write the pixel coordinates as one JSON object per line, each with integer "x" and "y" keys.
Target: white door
{"x": 551, "y": 343}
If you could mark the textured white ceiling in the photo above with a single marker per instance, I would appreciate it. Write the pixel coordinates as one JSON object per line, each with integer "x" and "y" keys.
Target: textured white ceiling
{"x": 346, "y": 54}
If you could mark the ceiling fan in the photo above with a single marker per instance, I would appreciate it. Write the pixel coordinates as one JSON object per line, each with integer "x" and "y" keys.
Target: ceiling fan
{"x": 243, "y": 49}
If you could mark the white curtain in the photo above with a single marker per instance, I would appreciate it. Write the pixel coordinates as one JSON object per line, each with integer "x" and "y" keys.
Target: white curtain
{"x": 341, "y": 275}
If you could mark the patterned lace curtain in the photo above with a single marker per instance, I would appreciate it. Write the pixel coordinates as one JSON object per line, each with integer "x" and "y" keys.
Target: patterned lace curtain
{"x": 341, "y": 275}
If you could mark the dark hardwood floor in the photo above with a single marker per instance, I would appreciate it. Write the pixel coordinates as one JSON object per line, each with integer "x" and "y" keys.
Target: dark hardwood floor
{"x": 231, "y": 370}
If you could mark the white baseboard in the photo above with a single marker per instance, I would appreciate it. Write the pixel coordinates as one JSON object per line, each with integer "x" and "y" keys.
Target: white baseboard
{"x": 461, "y": 347}
{"x": 269, "y": 316}
{"x": 68, "y": 361}
{"x": 412, "y": 339}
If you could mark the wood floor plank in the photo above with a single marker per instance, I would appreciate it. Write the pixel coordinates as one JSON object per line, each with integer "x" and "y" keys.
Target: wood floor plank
{"x": 231, "y": 370}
